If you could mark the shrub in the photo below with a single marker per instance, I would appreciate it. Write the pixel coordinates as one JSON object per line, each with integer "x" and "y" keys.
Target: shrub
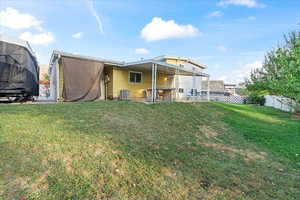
{"x": 255, "y": 99}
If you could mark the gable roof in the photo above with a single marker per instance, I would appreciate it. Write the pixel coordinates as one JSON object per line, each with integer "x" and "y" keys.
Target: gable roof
{"x": 163, "y": 57}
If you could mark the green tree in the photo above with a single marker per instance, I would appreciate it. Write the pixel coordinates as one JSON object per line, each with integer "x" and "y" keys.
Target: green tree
{"x": 280, "y": 74}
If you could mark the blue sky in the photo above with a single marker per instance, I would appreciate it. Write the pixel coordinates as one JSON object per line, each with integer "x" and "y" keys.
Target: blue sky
{"x": 229, "y": 36}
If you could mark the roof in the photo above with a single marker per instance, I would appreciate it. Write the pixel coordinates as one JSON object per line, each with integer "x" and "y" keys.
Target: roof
{"x": 73, "y": 55}
{"x": 17, "y": 41}
{"x": 142, "y": 64}
{"x": 180, "y": 70}
{"x": 183, "y": 59}
{"x": 230, "y": 84}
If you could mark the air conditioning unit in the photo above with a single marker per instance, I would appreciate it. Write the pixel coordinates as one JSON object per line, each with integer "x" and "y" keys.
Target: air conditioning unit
{"x": 124, "y": 95}
{"x": 193, "y": 92}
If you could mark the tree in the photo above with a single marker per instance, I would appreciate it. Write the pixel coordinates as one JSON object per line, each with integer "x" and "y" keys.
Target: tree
{"x": 280, "y": 74}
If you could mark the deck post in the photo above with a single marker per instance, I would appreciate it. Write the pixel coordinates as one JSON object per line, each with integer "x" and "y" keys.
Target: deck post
{"x": 194, "y": 96}
{"x": 153, "y": 89}
{"x": 56, "y": 63}
{"x": 177, "y": 84}
{"x": 208, "y": 89}
{"x": 152, "y": 82}
{"x": 155, "y": 81}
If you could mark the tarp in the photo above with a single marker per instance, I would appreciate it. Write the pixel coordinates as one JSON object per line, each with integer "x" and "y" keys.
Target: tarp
{"x": 81, "y": 79}
{"x": 19, "y": 71}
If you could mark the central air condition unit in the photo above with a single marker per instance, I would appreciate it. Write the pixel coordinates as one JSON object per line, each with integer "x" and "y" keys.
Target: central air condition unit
{"x": 124, "y": 95}
{"x": 193, "y": 92}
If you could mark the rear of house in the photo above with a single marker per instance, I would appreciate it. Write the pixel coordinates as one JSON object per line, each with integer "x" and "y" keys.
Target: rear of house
{"x": 190, "y": 85}
{"x": 81, "y": 78}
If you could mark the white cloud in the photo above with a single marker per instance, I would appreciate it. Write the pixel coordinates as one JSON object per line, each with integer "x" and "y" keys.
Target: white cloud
{"x": 215, "y": 14}
{"x": 95, "y": 14}
{"x": 77, "y": 35}
{"x": 221, "y": 48}
{"x": 251, "y": 18}
{"x": 243, "y": 71}
{"x": 247, "y": 3}
{"x": 38, "y": 39}
{"x": 141, "y": 51}
{"x": 13, "y": 19}
{"x": 158, "y": 29}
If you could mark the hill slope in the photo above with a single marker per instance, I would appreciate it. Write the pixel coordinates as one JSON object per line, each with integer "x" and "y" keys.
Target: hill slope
{"x": 125, "y": 150}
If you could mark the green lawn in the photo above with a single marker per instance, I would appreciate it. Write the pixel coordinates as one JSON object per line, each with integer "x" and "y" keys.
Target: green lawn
{"x": 125, "y": 150}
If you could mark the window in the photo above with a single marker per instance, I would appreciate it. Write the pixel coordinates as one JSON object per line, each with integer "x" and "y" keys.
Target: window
{"x": 180, "y": 90}
{"x": 135, "y": 77}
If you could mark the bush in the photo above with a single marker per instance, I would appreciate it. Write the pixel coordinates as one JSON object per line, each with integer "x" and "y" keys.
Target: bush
{"x": 255, "y": 99}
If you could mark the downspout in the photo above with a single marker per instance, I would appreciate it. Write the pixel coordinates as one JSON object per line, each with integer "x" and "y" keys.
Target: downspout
{"x": 152, "y": 81}
{"x": 194, "y": 85}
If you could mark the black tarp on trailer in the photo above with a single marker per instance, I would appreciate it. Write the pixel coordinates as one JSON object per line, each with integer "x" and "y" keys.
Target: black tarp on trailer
{"x": 19, "y": 71}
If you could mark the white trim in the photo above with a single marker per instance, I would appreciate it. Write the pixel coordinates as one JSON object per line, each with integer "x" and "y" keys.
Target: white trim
{"x": 182, "y": 59}
{"x": 56, "y": 63}
{"x": 105, "y": 61}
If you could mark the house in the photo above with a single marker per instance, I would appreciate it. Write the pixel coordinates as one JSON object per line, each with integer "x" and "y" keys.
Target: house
{"x": 80, "y": 78}
{"x": 231, "y": 89}
{"x": 216, "y": 87}
{"x": 43, "y": 71}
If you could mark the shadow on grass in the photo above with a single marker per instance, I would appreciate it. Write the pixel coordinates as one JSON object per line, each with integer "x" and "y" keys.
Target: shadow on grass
{"x": 132, "y": 150}
{"x": 266, "y": 126}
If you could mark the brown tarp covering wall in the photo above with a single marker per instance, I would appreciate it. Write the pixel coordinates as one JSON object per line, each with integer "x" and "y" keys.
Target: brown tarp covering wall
{"x": 81, "y": 79}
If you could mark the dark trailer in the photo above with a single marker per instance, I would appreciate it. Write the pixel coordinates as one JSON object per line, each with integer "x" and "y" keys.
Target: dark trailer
{"x": 19, "y": 71}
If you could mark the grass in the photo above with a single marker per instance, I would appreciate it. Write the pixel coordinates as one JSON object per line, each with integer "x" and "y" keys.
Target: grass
{"x": 125, "y": 150}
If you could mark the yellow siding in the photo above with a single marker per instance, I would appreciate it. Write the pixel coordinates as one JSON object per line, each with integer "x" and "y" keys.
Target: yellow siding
{"x": 121, "y": 82}
{"x": 174, "y": 61}
{"x": 109, "y": 72}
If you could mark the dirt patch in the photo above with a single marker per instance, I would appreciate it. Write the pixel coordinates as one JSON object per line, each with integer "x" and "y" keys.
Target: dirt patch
{"x": 68, "y": 161}
{"x": 15, "y": 187}
{"x": 40, "y": 182}
{"x": 66, "y": 158}
{"x": 215, "y": 192}
{"x": 208, "y": 131}
{"x": 246, "y": 154}
{"x": 99, "y": 151}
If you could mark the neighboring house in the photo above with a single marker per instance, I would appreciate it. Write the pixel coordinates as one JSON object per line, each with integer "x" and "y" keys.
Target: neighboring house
{"x": 231, "y": 89}
{"x": 81, "y": 78}
{"x": 43, "y": 83}
{"x": 43, "y": 71}
{"x": 216, "y": 87}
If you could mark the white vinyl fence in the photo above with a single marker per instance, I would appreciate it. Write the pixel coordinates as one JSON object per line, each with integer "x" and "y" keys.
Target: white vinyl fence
{"x": 281, "y": 103}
